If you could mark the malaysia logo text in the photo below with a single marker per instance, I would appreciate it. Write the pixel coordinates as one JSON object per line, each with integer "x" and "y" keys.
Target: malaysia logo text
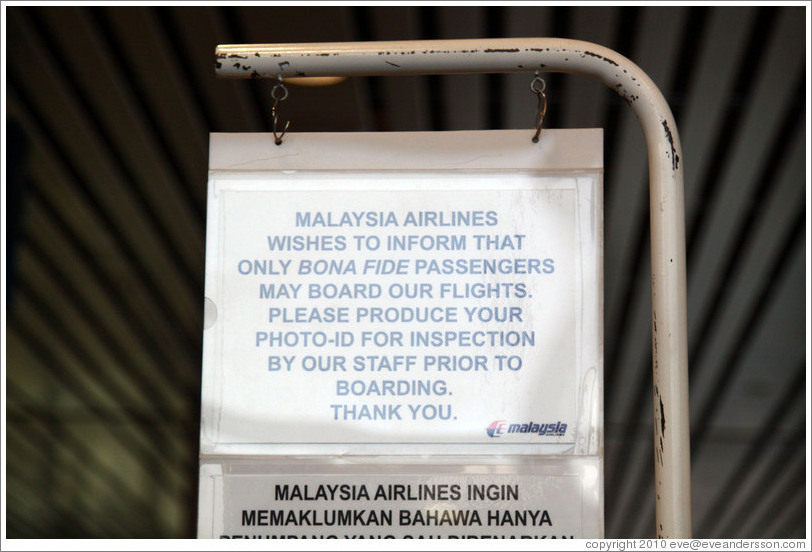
{"x": 501, "y": 427}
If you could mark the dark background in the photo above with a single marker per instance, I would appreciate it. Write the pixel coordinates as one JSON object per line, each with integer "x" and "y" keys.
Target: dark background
{"x": 108, "y": 115}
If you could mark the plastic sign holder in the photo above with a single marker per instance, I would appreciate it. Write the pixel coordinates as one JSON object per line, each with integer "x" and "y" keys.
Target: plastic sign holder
{"x": 403, "y": 336}
{"x": 670, "y": 370}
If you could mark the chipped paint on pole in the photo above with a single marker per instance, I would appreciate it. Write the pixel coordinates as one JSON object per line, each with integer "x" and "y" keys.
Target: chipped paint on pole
{"x": 668, "y": 270}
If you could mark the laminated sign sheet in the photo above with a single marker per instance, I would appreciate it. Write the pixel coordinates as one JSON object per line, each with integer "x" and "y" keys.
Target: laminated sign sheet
{"x": 425, "y": 306}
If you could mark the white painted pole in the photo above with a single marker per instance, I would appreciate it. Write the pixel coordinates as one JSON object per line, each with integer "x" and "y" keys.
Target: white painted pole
{"x": 668, "y": 273}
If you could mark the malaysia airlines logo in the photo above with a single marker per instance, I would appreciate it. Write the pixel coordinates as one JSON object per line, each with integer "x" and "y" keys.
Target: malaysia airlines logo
{"x": 497, "y": 428}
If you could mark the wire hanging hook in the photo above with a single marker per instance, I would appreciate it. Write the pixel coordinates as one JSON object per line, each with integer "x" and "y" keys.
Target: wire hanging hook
{"x": 279, "y": 94}
{"x": 537, "y": 86}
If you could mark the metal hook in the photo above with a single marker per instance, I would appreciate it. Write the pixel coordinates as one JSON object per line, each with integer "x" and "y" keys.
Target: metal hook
{"x": 279, "y": 94}
{"x": 537, "y": 86}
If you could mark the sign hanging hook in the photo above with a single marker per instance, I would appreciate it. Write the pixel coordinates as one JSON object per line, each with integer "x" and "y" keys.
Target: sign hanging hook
{"x": 537, "y": 86}
{"x": 279, "y": 94}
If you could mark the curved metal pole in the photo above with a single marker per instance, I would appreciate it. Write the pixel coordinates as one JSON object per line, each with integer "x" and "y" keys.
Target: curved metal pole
{"x": 668, "y": 279}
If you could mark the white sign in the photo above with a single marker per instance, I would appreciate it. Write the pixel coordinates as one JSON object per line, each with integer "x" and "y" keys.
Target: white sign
{"x": 423, "y": 306}
{"x": 543, "y": 502}
{"x": 404, "y": 315}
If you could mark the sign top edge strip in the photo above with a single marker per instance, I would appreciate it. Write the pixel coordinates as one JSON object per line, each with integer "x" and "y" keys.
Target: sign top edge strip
{"x": 558, "y": 149}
